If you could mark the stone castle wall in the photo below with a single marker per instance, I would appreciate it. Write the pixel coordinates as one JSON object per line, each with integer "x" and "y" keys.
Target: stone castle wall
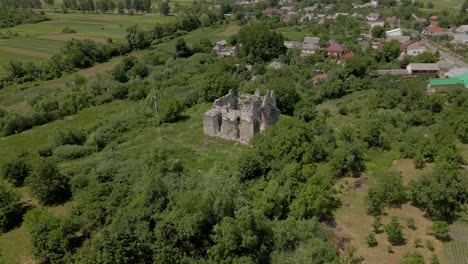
{"x": 241, "y": 117}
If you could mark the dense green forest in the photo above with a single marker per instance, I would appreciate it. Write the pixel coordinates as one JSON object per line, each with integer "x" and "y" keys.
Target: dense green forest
{"x": 204, "y": 200}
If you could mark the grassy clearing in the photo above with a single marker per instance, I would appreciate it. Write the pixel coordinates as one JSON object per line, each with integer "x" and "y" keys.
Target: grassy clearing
{"x": 37, "y": 137}
{"x": 13, "y": 97}
{"x": 353, "y": 221}
{"x": 213, "y": 34}
{"x": 39, "y": 41}
{"x": 186, "y": 138}
{"x": 444, "y": 4}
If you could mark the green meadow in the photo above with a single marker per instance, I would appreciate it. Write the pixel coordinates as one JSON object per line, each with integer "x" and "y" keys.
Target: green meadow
{"x": 35, "y": 42}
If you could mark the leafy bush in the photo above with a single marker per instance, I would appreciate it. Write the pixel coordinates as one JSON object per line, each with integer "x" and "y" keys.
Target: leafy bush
{"x": 16, "y": 171}
{"x": 250, "y": 166}
{"x": 441, "y": 193}
{"x": 46, "y": 182}
{"x": 371, "y": 240}
{"x": 395, "y": 232}
{"x": 72, "y": 151}
{"x": 441, "y": 230}
{"x": 412, "y": 258}
{"x": 67, "y": 136}
{"x": 52, "y": 237}
{"x": 10, "y": 207}
{"x": 68, "y": 30}
{"x": 387, "y": 191}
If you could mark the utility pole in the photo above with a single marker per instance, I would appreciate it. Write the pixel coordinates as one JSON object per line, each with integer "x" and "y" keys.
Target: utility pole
{"x": 156, "y": 109}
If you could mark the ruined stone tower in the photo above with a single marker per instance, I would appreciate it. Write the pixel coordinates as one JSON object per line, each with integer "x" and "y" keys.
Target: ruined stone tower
{"x": 240, "y": 118}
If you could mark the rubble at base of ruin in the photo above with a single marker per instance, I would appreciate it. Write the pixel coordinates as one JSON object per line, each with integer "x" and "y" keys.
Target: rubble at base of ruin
{"x": 241, "y": 117}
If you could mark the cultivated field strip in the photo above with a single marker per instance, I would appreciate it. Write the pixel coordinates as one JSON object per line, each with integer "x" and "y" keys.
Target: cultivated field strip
{"x": 457, "y": 249}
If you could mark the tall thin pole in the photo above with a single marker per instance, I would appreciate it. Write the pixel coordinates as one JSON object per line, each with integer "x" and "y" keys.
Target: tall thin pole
{"x": 155, "y": 101}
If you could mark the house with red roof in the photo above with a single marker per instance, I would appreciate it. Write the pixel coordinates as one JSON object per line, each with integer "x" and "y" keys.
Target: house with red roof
{"x": 271, "y": 10}
{"x": 346, "y": 56}
{"x": 432, "y": 29}
{"x": 335, "y": 50}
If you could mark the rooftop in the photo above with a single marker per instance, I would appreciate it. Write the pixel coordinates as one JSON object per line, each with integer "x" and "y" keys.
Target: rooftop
{"x": 460, "y": 79}
{"x": 424, "y": 66}
{"x": 335, "y": 47}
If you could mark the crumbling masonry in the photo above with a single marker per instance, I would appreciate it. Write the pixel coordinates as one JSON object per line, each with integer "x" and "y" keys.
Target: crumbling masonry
{"x": 240, "y": 118}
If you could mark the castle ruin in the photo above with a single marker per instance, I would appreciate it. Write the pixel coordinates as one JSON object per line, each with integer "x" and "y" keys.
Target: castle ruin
{"x": 240, "y": 117}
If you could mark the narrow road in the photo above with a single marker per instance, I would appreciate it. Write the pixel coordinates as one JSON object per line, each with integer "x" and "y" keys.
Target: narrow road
{"x": 446, "y": 56}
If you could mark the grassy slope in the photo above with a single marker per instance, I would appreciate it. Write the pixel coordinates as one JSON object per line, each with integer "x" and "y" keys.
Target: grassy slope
{"x": 36, "y": 41}
{"x": 186, "y": 137}
{"x": 444, "y": 4}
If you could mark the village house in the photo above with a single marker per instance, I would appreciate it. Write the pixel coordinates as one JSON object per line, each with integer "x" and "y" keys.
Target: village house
{"x": 335, "y": 50}
{"x": 394, "y": 33}
{"x": 285, "y": 18}
{"x": 221, "y": 50}
{"x": 416, "y": 48}
{"x": 336, "y": 15}
{"x": 310, "y": 45}
{"x": 372, "y": 17}
{"x": 344, "y": 57}
{"x": 306, "y": 18}
{"x": 460, "y": 39}
{"x": 462, "y": 29}
{"x": 271, "y": 11}
{"x": 392, "y": 21}
{"x": 275, "y": 65}
{"x": 376, "y": 23}
{"x": 448, "y": 83}
{"x": 431, "y": 69}
{"x": 293, "y": 44}
{"x": 401, "y": 39}
{"x": 456, "y": 71}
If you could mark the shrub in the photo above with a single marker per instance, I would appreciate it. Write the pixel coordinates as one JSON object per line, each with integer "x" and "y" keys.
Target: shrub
{"x": 68, "y": 136}
{"x": 410, "y": 223}
{"x": 250, "y": 166}
{"x": 46, "y": 182}
{"x": 52, "y": 237}
{"x": 441, "y": 230}
{"x": 45, "y": 151}
{"x": 412, "y": 258}
{"x": 430, "y": 245}
{"x": 72, "y": 151}
{"x": 16, "y": 171}
{"x": 377, "y": 224}
{"x": 418, "y": 243}
{"x": 395, "y": 232}
{"x": 434, "y": 259}
{"x": 10, "y": 207}
{"x": 389, "y": 249}
{"x": 68, "y": 30}
{"x": 371, "y": 241}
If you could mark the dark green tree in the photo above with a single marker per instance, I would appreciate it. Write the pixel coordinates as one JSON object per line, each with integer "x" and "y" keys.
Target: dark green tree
{"x": 378, "y": 32}
{"x": 164, "y": 8}
{"x": 182, "y": 50}
{"x": 16, "y": 171}
{"x": 441, "y": 193}
{"x": 259, "y": 43}
{"x": 47, "y": 183}
{"x": 10, "y": 207}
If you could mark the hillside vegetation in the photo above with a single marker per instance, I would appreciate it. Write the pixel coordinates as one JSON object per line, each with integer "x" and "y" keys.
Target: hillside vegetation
{"x": 104, "y": 159}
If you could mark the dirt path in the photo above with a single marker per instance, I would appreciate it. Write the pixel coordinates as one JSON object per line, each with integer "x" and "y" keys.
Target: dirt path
{"x": 26, "y": 52}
